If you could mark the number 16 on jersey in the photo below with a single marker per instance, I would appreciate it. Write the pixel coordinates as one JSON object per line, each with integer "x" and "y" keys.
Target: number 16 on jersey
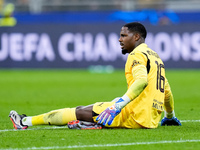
{"x": 160, "y": 84}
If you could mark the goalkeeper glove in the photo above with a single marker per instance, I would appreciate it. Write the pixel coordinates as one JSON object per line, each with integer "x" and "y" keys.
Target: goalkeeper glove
{"x": 170, "y": 120}
{"x": 108, "y": 115}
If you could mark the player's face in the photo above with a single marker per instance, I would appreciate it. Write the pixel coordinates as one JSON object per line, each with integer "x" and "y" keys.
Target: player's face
{"x": 127, "y": 40}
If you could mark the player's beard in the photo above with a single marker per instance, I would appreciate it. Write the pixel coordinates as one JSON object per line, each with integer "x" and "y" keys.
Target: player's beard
{"x": 124, "y": 51}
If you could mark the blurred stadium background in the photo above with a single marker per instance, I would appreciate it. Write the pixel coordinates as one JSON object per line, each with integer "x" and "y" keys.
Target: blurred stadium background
{"x": 39, "y": 6}
{"x": 81, "y": 33}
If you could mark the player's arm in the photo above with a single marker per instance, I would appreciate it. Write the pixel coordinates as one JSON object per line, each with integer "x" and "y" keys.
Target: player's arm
{"x": 139, "y": 73}
{"x": 168, "y": 101}
{"x": 169, "y": 118}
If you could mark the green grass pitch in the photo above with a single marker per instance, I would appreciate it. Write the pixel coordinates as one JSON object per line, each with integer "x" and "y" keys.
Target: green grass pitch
{"x": 38, "y": 91}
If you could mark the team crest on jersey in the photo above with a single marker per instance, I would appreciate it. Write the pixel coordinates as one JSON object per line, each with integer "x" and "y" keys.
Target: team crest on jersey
{"x": 135, "y": 63}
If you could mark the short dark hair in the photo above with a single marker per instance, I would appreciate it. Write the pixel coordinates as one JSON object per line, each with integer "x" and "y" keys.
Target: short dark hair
{"x": 137, "y": 27}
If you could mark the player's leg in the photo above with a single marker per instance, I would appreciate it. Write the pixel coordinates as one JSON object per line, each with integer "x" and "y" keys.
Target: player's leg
{"x": 84, "y": 113}
{"x": 55, "y": 117}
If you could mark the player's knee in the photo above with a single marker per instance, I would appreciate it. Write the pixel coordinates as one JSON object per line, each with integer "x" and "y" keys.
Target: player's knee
{"x": 79, "y": 111}
{"x": 84, "y": 113}
{"x": 79, "y": 107}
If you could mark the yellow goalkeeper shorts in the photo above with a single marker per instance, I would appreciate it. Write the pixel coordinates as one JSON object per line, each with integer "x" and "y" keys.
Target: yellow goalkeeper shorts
{"x": 122, "y": 120}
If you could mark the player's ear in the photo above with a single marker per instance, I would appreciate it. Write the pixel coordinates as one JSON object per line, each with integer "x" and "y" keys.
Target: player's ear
{"x": 137, "y": 36}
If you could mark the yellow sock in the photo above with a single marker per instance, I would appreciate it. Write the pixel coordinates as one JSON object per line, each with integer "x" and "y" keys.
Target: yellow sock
{"x": 55, "y": 117}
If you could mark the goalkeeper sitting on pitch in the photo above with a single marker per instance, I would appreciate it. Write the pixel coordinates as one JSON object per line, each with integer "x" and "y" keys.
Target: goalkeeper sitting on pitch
{"x": 148, "y": 94}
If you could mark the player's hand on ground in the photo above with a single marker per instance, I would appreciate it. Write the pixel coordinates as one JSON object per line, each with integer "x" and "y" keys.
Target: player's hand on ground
{"x": 108, "y": 115}
{"x": 170, "y": 122}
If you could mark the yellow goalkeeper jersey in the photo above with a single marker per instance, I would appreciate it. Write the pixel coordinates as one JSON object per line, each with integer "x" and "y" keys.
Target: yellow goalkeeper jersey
{"x": 146, "y": 109}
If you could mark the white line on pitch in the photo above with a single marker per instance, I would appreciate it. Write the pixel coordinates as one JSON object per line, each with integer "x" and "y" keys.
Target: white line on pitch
{"x": 104, "y": 145}
{"x": 190, "y": 120}
{"x": 38, "y": 128}
{"x": 55, "y": 127}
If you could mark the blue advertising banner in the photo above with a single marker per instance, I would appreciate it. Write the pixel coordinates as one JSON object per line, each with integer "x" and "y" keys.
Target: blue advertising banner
{"x": 83, "y": 45}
